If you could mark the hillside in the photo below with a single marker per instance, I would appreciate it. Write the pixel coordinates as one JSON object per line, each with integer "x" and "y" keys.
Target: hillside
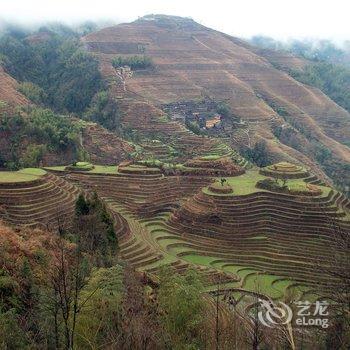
{"x": 8, "y": 91}
{"x": 166, "y": 185}
{"x": 192, "y": 62}
{"x": 187, "y": 218}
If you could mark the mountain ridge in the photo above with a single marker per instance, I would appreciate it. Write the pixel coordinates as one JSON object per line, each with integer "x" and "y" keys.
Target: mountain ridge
{"x": 193, "y": 62}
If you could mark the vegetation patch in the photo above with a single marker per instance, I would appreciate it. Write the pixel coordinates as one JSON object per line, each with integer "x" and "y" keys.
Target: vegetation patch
{"x": 138, "y": 169}
{"x": 33, "y": 171}
{"x": 296, "y": 187}
{"x": 264, "y": 283}
{"x": 210, "y": 157}
{"x": 134, "y": 62}
{"x": 243, "y": 184}
{"x": 56, "y": 168}
{"x": 35, "y": 132}
{"x": 105, "y": 169}
{"x": 220, "y": 187}
{"x": 21, "y": 175}
{"x": 58, "y": 72}
{"x": 80, "y": 166}
{"x": 13, "y": 176}
{"x": 285, "y": 170}
{"x": 97, "y": 169}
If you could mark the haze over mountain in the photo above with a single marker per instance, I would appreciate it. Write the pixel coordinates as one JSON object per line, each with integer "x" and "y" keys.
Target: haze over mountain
{"x": 324, "y": 20}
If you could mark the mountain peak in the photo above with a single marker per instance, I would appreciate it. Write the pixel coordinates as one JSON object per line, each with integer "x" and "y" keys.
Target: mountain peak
{"x": 168, "y": 21}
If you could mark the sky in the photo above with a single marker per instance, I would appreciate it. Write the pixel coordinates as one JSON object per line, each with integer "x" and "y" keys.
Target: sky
{"x": 281, "y": 19}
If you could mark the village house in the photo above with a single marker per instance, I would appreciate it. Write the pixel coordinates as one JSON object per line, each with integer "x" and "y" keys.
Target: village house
{"x": 213, "y": 122}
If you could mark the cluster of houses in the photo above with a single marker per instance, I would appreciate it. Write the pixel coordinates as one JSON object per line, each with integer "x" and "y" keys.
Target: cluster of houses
{"x": 203, "y": 113}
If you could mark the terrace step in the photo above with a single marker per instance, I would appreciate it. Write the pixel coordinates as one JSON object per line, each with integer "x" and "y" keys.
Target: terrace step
{"x": 39, "y": 203}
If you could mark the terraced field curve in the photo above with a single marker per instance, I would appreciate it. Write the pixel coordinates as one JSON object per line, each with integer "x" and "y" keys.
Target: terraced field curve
{"x": 250, "y": 238}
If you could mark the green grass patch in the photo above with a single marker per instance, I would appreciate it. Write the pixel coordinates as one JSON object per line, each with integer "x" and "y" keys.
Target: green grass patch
{"x": 82, "y": 166}
{"x": 140, "y": 168}
{"x": 105, "y": 169}
{"x": 199, "y": 259}
{"x": 241, "y": 185}
{"x": 241, "y": 271}
{"x": 257, "y": 238}
{"x": 246, "y": 184}
{"x": 166, "y": 241}
{"x": 98, "y": 169}
{"x": 56, "y": 168}
{"x": 263, "y": 283}
{"x": 210, "y": 157}
{"x": 16, "y": 176}
{"x": 33, "y": 171}
{"x": 23, "y": 175}
{"x": 282, "y": 284}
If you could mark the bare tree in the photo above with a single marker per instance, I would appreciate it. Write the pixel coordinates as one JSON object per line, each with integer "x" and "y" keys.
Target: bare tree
{"x": 335, "y": 285}
{"x": 139, "y": 328}
{"x": 67, "y": 280}
{"x": 254, "y": 327}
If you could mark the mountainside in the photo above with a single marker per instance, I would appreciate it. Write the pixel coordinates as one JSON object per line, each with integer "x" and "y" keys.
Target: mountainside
{"x": 8, "y": 91}
{"x": 168, "y": 187}
{"x": 192, "y": 62}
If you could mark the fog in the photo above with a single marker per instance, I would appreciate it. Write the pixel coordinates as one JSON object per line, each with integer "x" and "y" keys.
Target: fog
{"x": 299, "y": 19}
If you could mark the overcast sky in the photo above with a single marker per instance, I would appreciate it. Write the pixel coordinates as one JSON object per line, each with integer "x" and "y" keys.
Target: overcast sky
{"x": 277, "y": 18}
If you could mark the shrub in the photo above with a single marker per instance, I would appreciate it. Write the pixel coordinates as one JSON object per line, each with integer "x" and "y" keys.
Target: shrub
{"x": 95, "y": 230}
{"x": 80, "y": 166}
{"x": 134, "y": 62}
{"x": 258, "y": 154}
{"x": 33, "y": 155}
{"x": 269, "y": 184}
{"x": 104, "y": 110}
{"x": 33, "y": 92}
{"x": 182, "y": 307}
{"x": 220, "y": 187}
{"x": 11, "y": 335}
{"x": 223, "y": 109}
{"x": 81, "y": 206}
{"x": 194, "y": 127}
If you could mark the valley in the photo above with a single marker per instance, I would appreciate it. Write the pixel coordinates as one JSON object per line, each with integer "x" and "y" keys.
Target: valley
{"x": 158, "y": 181}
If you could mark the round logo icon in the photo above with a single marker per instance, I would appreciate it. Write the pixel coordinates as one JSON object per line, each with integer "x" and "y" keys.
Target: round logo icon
{"x": 273, "y": 314}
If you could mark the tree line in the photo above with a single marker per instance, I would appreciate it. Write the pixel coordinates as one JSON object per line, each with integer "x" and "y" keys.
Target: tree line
{"x": 134, "y": 62}
{"x": 33, "y": 132}
{"x": 53, "y": 67}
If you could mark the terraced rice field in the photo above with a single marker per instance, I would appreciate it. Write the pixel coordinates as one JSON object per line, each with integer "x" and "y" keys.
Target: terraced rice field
{"x": 24, "y": 175}
{"x": 245, "y": 241}
{"x": 33, "y": 197}
{"x": 248, "y": 240}
{"x": 171, "y": 141}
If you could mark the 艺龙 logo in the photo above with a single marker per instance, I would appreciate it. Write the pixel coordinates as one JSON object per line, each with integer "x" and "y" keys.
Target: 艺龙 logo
{"x": 274, "y": 314}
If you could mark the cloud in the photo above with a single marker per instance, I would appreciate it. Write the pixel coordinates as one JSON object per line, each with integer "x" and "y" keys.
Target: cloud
{"x": 280, "y": 19}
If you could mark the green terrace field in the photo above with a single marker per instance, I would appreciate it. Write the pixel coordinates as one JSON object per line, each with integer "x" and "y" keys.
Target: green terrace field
{"x": 249, "y": 240}
{"x": 24, "y": 175}
{"x": 102, "y": 169}
{"x": 246, "y": 184}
